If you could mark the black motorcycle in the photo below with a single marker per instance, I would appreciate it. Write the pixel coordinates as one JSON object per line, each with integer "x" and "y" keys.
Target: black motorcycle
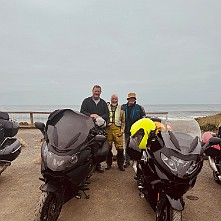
{"x": 214, "y": 154}
{"x": 73, "y": 146}
{"x": 10, "y": 146}
{"x": 168, "y": 167}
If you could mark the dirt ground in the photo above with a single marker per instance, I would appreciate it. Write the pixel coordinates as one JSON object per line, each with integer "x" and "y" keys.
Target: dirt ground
{"x": 113, "y": 195}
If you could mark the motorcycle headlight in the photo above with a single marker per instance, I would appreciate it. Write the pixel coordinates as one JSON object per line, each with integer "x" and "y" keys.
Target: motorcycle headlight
{"x": 55, "y": 162}
{"x": 58, "y": 163}
{"x": 192, "y": 168}
{"x": 180, "y": 166}
{"x": 169, "y": 162}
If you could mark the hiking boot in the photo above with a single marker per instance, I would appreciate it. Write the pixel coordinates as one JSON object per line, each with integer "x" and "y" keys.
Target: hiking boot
{"x": 120, "y": 159}
{"x": 108, "y": 167}
{"x": 121, "y": 168}
{"x": 127, "y": 164}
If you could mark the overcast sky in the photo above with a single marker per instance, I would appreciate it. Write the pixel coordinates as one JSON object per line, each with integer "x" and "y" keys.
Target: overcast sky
{"x": 54, "y": 51}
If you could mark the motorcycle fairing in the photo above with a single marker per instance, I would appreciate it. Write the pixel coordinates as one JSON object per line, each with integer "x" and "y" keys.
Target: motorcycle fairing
{"x": 51, "y": 186}
{"x": 67, "y": 130}
{"x": 182, "y": 143}
{"x": 56, "y": 162}
{"x": 177, "y": 204}
{"x": 183, "y": 163}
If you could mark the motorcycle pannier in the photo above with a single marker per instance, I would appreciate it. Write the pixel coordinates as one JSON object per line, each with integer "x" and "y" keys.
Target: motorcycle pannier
{"x": 10, "y": 128}
{"x": 4, "y": 115}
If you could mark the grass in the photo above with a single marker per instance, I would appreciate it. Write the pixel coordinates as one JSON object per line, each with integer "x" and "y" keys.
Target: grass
{"x": 209, "y": 123}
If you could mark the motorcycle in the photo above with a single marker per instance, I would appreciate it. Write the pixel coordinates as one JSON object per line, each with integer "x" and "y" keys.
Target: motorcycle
{"x": 169, "y": 156}
{"x": 214, "y": 154}
{"x": 10, "y": 146}
{"x": 73, "y": 145}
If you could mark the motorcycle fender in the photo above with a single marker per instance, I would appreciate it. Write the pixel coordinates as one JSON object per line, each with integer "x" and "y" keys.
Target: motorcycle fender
{"x": 51, "y": 187}
{"x": 176, "y": 204}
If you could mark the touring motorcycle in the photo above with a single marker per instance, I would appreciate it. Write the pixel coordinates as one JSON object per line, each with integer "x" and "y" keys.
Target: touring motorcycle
{"x": 169, "y": 157}
{"x": 10, "y": 146}
{"x": 73, "y": 145}
{"x": 214, "y": 154}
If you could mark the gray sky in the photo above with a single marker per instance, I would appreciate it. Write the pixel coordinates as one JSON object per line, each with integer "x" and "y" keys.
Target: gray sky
{"x": 53, "y": 52}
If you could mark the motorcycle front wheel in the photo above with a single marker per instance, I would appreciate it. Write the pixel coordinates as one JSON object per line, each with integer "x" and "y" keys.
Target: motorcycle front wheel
{"x": 216, "y": 178}
{"x": 48, "y": 207}
{"x": 169, "y": 214}
{"x": 176, "y": 215}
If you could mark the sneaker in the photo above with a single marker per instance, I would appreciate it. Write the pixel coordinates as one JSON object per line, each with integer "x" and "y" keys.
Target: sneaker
{"x": 127, "y": 164}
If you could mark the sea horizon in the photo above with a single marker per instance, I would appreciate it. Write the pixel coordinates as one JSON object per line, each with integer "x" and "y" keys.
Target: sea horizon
{"x": 176, "y": 110}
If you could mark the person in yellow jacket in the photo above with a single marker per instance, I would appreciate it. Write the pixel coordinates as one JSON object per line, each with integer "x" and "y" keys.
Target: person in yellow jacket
{"x": 115, "y": 131}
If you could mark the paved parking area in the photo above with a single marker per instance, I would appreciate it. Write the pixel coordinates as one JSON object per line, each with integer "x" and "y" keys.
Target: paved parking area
{"x": 113, "y": 195}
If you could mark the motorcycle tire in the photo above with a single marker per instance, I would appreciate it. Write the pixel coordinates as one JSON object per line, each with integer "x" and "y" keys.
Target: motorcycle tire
{"x": 170, "y": 214}
{"x": 176, "y": 215}
{"x": 215, "y": 177}
{"x": 48, "y": 207}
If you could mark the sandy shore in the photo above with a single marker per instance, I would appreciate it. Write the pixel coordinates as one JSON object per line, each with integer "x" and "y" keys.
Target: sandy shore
{"x": 113, "y": 195}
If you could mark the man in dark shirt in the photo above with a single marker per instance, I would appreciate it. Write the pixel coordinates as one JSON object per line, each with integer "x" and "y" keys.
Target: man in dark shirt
{"x": 95, "y": 107}
{"x": 133, "y": 112}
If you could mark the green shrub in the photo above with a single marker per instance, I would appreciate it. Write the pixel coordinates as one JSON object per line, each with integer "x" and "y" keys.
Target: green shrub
{"x": 209, "y": 123}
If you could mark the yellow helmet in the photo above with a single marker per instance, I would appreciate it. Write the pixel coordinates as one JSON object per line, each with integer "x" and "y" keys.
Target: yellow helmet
{"x": 147, "y": 125}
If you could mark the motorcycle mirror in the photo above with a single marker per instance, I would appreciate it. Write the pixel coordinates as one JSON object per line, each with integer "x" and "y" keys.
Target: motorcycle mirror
{"x": 99, "y": 137}
{"x": 40, "y": 126}
{"x": 214, "y": 140}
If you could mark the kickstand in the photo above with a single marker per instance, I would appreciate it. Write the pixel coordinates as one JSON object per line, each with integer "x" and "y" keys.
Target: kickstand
{"x": 86, "y": 196}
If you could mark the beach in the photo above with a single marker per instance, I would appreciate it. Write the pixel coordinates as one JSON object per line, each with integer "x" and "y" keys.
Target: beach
{"x": 113, "y": 195}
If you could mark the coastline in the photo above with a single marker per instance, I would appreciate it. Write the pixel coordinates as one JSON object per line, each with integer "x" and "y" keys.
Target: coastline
{"x": 209, "y": 123}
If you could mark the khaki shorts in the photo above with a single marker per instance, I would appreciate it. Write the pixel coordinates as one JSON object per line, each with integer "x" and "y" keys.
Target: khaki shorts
{"x": 112, "y": 136}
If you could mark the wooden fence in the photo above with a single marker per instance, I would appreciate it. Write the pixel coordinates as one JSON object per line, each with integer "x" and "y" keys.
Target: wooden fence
{"x": 26, "y": 119}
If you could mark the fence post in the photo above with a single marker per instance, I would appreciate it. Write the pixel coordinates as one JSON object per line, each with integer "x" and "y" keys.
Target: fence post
{"x": 32, "y": 119}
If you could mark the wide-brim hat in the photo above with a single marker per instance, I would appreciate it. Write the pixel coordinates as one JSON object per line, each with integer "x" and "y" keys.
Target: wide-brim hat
{"x": 131, "y": 95}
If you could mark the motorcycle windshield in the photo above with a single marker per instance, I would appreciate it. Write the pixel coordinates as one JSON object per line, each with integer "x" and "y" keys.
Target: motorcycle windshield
{"x": 67, "y": 129}
{"x": 182, "y": 135}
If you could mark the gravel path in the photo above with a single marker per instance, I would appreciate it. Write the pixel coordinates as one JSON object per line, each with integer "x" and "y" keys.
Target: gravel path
{"x": 113, "y": 195}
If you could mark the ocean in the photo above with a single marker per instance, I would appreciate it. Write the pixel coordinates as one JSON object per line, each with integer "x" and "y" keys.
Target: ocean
{"x": 174, "y": 110}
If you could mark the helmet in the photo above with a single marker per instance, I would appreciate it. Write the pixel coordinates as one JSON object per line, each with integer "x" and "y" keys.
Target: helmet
{"x": 147, "y": 125}
{"x": 100, "y": 122}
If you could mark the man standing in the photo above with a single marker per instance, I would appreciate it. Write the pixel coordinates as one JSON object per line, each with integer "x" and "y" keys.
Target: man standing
{"x": 115, "y": 132}
{"x": 95, "y": 107}
{"x": 133, "y": 112}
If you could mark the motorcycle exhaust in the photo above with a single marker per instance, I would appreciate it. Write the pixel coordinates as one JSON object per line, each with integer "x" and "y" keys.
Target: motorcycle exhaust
{"x": 212, "y": 164}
